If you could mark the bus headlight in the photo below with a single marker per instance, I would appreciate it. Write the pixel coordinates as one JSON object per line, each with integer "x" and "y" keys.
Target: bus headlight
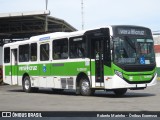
{"x": 118, "y": 73}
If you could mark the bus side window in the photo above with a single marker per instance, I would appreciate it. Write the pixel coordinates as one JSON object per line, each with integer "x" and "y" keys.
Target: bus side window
{"x": 77, "y": 47}
{"x": 7, "y": 55}
{"x": 24, "y": 53}
{"x": 44, "y": 52}
{"x": 33, "y": 49}
{"x": 60, "y": 49}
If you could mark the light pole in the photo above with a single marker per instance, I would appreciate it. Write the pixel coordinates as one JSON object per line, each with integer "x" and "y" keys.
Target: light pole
{"x": 46, "y": 19}
{"x": 46, "y": 4}
{"x": 82, "y": 13}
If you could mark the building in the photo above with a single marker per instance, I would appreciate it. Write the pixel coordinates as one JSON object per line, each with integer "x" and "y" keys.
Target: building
{"x": 22, "y": 25}
{"x": 156, "y": 37}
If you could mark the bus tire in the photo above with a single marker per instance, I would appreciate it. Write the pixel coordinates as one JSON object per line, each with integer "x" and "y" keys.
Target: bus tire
{"x": 85, "y": 88}
{"x": 120, "y": 92}
{"x": 27, "y": 84}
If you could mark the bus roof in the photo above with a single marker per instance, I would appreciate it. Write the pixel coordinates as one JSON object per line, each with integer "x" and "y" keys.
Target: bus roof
{"x": 58, "y": 35}
{"x": 55, "y": 35}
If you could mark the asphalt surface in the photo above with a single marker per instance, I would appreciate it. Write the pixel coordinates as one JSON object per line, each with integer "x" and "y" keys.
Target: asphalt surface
{"x": 12, "y": 98}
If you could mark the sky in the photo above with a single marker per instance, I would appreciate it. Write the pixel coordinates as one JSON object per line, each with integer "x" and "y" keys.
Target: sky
{"x": 97, "y": 13}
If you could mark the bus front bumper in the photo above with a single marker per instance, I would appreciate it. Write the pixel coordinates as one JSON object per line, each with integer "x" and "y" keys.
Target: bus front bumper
{"x": 116, "y": 82}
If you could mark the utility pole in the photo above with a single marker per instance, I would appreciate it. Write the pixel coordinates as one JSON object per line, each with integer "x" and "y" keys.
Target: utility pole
{"x": 46, "y": 20}
{"x": 46, "y": 4}
{"x": 82, "y": 13}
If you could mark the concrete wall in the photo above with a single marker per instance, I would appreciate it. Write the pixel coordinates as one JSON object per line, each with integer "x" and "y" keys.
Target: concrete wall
{"x": 158, "y": 65}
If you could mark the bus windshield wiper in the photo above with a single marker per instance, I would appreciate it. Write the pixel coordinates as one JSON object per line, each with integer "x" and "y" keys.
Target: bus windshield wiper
{"x": 130, "y": 43}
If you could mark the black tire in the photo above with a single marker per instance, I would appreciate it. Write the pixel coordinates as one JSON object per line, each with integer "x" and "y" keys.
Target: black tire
{"x": 27, "y": 84}
{"x": 85, "y": 88}
{"x": 120, "y": 92}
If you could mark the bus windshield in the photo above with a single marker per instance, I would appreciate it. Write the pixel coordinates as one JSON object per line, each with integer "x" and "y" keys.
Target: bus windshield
{"x": 133, "y": 50}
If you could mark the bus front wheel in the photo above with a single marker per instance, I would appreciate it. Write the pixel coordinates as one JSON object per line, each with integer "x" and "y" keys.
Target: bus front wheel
{"x": 120, "y": 92}
{"x": 85, "y": 88}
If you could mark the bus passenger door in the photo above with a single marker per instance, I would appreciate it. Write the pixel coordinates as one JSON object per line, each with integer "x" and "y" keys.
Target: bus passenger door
{"x": 98, "y": 56}
{"x": 99, "y": 53}
{"x": 14, "y": 67}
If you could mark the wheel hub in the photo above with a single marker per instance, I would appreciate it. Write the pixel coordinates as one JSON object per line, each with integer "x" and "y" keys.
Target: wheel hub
{"x": 85, "y": 86}
{"x": 26, "y": 84}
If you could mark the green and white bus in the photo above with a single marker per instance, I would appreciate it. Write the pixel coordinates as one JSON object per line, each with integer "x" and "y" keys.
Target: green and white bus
{"x": 117, "y": 58}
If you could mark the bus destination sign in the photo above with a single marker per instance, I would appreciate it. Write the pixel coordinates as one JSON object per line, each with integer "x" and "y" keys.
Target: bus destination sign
{"x": 131, "y": 31}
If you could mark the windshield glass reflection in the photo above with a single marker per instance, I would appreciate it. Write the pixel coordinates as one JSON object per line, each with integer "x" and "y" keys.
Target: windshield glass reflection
{"x": 131, "y": 50}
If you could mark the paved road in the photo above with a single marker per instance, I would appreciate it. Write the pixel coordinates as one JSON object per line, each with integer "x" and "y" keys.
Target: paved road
{"x": 12, "y": 98}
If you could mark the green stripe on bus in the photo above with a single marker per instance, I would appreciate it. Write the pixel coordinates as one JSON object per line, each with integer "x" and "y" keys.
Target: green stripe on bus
{"x": 73, "y": 69}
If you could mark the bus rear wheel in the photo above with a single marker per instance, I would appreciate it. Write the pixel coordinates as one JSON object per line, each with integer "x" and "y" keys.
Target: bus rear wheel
{"x": 120, "y": 92}
{"x": 27, "y": 84}
{"x": 85, "y": 88}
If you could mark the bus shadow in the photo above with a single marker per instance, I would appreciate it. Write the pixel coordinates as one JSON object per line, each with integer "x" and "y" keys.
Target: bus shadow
{"x": 17, "y": 90}
{"x": 45, "y": 91}
{"x": 97, "y": 93}
{"x": 127, "y": 95}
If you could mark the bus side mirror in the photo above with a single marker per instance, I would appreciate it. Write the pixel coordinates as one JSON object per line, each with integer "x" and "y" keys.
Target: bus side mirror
{"x": 111, "y": 43}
